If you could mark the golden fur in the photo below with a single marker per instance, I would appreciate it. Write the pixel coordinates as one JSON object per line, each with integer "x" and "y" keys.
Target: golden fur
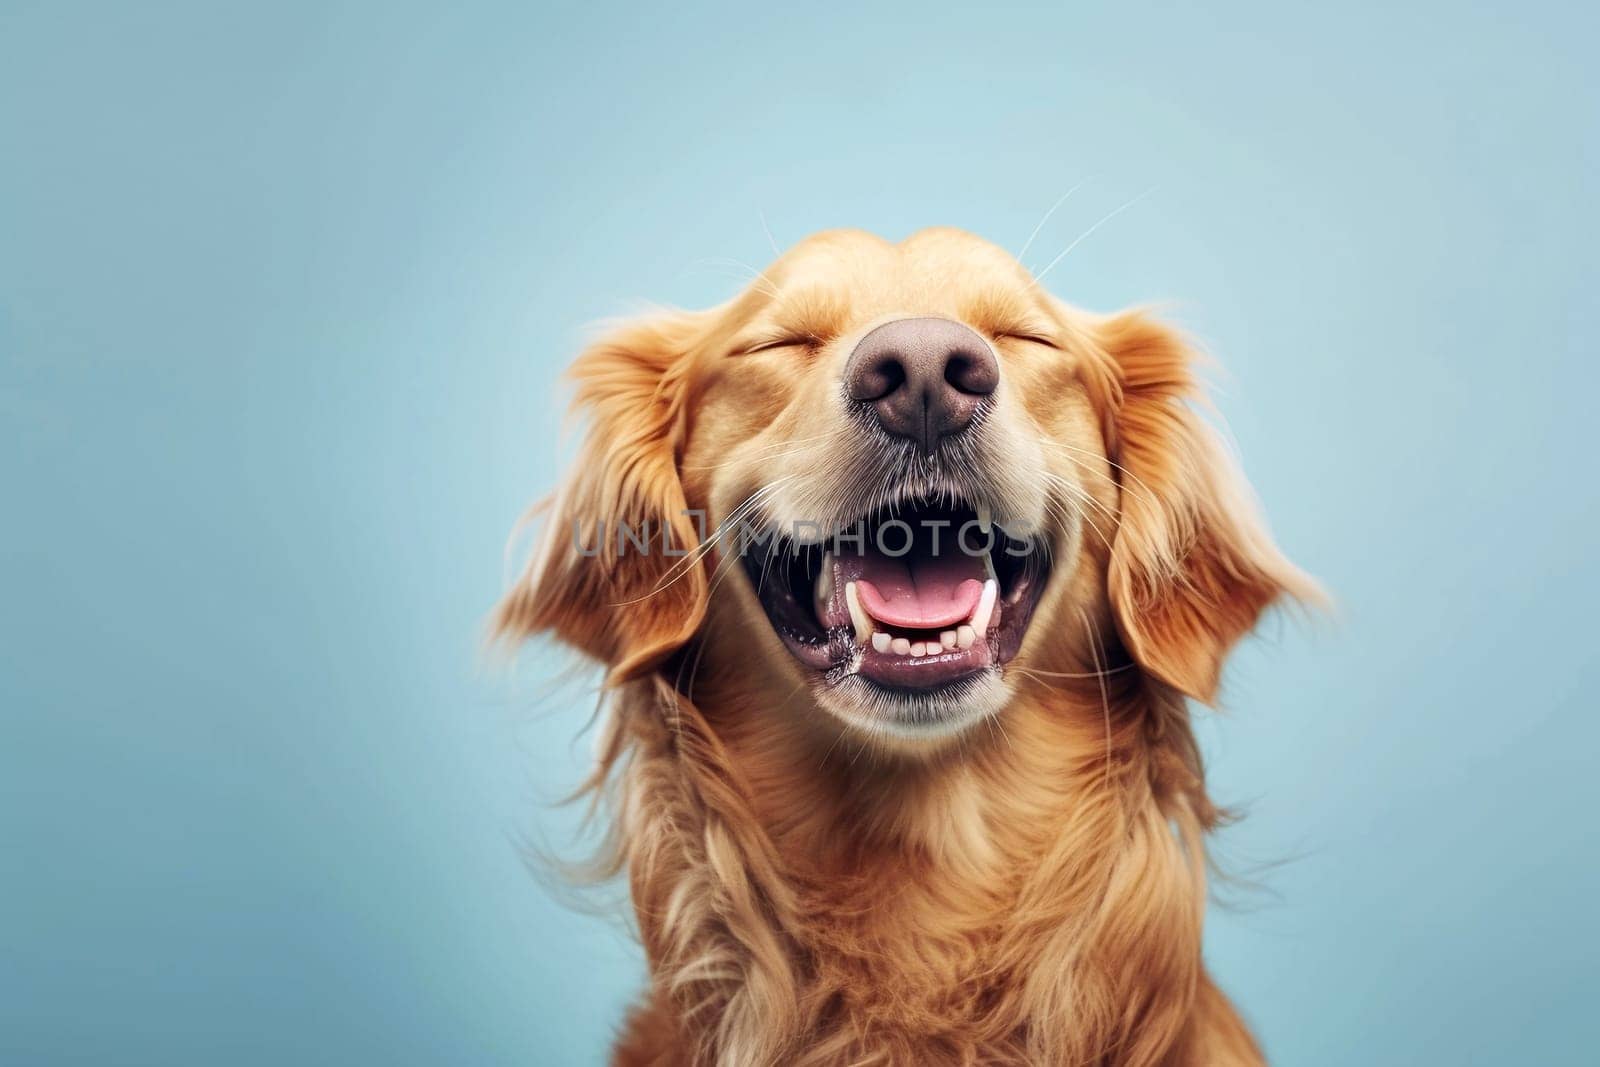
{"x": 810, "y": 891}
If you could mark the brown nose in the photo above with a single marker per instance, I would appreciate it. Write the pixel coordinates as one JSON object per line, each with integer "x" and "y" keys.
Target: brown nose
{"x": 923, "y": 379}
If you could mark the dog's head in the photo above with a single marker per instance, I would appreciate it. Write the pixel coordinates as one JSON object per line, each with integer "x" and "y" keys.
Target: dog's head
{"x": 900, "y": 478}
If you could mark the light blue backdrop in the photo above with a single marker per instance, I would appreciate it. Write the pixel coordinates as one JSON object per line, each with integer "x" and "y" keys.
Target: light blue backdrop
{"x": 283, "y": 293}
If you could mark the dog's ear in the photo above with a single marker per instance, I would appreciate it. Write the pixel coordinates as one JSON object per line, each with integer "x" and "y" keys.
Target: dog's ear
{"x": 610, "y": 575}
{"x": 1192, "y": 566}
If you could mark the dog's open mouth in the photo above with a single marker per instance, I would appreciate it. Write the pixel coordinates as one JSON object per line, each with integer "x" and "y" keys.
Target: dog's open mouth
{"x": 917, "y": 596}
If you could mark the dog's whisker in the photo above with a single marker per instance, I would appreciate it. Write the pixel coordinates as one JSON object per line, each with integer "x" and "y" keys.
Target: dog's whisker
{"x": 768, "y": 231}
{"x": 754, "y": 274}
{"x": 1029, "y": 242}
{"x": 995, "y": 723}
{"x": 1081, "y": 495}
{"x": 759, "y": 284}
{"x": 693, "y": 558}
{"x": 1150, "y": 496}
{"x": 1080, "y": 675}
{"x": 1105, "y": 697}
{"x": 1039, "y": 679}
{"x": 1039, "y": 278}
{"x": 677, "y": 572}
{"x": 800, "y": 447}
{"x": 1066, "y": 518}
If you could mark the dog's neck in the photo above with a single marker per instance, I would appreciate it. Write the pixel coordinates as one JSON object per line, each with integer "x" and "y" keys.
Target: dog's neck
{"x": 1041, "y": 883}
{"x": 983, "y": 805}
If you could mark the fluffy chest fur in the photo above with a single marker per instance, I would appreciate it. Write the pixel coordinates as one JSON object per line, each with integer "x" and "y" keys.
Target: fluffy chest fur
{"x": 1037, "y": 901}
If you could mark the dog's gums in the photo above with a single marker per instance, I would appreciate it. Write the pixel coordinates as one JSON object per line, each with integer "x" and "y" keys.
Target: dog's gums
{"x": 914, "y": 598}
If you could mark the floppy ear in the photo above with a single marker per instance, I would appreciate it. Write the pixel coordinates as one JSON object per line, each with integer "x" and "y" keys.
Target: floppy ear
{"x": 1192, "y": 567}
{"x": 602, "y": 578}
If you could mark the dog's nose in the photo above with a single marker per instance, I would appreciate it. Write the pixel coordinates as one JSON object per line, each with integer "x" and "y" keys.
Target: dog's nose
{"x": 923, "y": 379}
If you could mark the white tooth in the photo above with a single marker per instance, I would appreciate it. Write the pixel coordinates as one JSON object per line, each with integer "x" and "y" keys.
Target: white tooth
{"x": 986, "y": 524}
{"x": 965, "y": 636}
{"x": 858, "y": 614}
{"x": 985, "y": 608}
{"x": 900, "y": 646}
{"x": 948, "y": 639}
{"x": 919, "y": 649}
{"x": 880, "y": 640}
{"x": 824, "y": 590}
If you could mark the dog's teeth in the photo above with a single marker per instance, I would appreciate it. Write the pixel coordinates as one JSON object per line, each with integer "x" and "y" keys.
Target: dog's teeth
{"x": 986, "y": 524}
{"x": 948, "y": 639}
{"x": 918, "y": 648}
{"x": 880, "y": 641}
{"x": 965, "y": 636}
{"x": 858, "y": 614}
{"x": 985, "y": 609}
{"x": 824, "y": 589}
{"x": 900, "y": 646}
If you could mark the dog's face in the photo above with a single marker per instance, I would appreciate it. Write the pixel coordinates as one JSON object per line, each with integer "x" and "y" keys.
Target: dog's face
{"x": 909, "y": 481}
{"x": 900, "y": 436}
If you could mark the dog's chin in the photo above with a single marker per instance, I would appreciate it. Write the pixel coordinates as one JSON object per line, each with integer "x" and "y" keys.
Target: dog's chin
{"x": 905, "y": 639}
{"x": 914, "y": 718}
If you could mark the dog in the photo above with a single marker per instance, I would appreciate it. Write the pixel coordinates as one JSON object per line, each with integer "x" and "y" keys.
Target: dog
{"x": 881, "y": 799}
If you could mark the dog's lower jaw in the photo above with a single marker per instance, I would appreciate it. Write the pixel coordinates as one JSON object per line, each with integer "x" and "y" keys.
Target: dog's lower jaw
{"x": 911, "y": 723}
{"x": 1030, "y": 904}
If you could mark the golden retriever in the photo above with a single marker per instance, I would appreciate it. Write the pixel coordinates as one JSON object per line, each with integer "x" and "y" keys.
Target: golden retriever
{"x": 882, "y": 799}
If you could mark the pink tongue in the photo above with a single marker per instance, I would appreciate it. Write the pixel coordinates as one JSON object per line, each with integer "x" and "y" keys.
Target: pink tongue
{"x": 916, "y": 592}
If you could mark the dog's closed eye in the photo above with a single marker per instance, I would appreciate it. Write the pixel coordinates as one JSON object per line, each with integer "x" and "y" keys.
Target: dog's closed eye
{"x": 752, "y": 347}
{"x": 1029, "y": 336}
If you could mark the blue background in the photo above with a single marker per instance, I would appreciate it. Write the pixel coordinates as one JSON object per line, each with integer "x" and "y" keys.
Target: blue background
{"x": 283, "y": 295}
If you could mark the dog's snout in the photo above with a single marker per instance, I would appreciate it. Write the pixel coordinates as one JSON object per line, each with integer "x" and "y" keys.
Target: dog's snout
{"x": 923, "y": 379}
